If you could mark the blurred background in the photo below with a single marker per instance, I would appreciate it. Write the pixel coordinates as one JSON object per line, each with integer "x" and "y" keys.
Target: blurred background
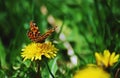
{"x": 83, "y": 27}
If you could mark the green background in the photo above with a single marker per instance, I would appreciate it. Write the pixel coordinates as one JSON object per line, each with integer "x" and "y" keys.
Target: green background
{"x": 87, "y": 25}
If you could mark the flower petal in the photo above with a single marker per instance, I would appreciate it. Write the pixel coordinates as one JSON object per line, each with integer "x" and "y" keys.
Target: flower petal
{"x": 35, "y": 51}
{"x": 99, "y": 59}
{"x": 113, "y": 59}
{"x": 106, "y": 56}
{"x": 92, "y": 72}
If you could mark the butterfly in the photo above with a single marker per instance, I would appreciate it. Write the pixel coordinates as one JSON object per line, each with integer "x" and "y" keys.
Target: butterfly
{"x": 34, "y": 33}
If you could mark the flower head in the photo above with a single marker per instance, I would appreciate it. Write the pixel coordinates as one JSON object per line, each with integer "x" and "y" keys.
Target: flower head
{"x": 106, "y": 59}
{"x": 92, "y": 71}
{"x": 35, "y": 51}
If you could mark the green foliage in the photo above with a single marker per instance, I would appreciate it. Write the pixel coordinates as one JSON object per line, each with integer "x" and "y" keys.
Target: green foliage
{"x": 87, "y": 25}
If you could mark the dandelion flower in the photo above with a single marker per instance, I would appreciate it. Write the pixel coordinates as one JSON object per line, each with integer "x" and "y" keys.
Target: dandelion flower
{"x": 35, "y": 51}
{"x": 92, "y": 72}
{"x": 107, "y": 59}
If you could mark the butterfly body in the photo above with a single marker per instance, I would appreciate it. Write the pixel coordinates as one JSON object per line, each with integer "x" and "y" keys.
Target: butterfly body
{"x": 35, "y": 35}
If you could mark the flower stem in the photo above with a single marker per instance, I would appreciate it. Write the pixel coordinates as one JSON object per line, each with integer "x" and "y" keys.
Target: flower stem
{"x": 38, "y": 70}
{"x": 116, "y": 75}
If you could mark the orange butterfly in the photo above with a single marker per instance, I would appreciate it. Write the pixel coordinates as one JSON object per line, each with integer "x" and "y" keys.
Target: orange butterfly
{"x": 35, "y": 35}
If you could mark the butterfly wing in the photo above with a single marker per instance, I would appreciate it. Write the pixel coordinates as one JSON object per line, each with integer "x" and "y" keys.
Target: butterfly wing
{"x": 35, "y": 35}
{"x": 42, "y": 38}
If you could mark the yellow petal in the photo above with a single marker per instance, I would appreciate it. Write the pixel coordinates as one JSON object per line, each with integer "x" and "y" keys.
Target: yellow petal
{"x": 106, "y": 53}
{"x": 35, "y": 51}
{"x": 116, "y": 57}
{"x": 106, "y": 56}
{"x": 113, "y": 59}
{"x": 98, "y": 59}
{"x": 92, "y": 72}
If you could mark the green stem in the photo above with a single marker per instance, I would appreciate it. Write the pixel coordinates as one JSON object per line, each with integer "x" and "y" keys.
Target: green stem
{"x": 38, "y": 70}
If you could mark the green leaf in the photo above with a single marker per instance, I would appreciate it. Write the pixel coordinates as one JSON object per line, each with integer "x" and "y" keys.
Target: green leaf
{"x": 53, "y": 66}
{"x": 2, "y": 55}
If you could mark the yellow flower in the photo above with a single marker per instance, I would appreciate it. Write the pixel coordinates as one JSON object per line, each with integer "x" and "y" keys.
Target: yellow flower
{"x": 107, "y": 59}
{"x": 35, "y": 51}
{"x": 92, "y": 71}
